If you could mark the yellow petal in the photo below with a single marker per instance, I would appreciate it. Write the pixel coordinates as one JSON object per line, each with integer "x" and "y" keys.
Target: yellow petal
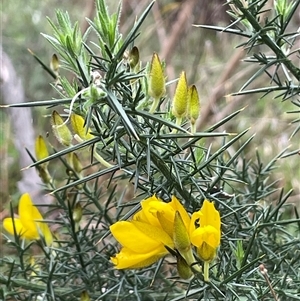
{"x": 41, "y": 151}
{"x": 79, "y": 127}
{"x": 146, "y": 214}
{"x": 30, "y": 218}
{"x": 155, "y": 233}
{"x": 195, "y": 220}
{"x": 85, "y": 296}
{"x": 207, "y": 234}
{"x": 183, "y": 213}
{"x": 20, "y": 230}
{"x": 129, "y": 259}
{"x": 129, "y": 236}
{"x": 210, "y": 215}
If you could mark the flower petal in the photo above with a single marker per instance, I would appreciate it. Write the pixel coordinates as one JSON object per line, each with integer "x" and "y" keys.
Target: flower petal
{"x": 28, "y": 214}
{"x": 155, "y": 233}
{"x": 208, "y": 234}
{"x": 31, "y": 218}
{"x": 146, "y": 214}
{"x": 131, "y": 237}
{"x": 20, "y": 229}
{"x": 194, "y": 224}
{"x": 210, "y": 215}
{"x": 129, "y": 259}
{"x": 183, "y": 213}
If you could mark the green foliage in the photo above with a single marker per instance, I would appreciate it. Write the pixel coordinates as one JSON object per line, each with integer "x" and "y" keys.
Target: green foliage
{"x": 142, "y": 153}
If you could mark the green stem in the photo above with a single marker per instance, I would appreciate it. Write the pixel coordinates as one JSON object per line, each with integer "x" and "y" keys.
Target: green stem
{"x": 178, "y": 122}
{"x": 206, "y": 271}
{"x": 154, "y": 105}
{"x": 101, "y": 160}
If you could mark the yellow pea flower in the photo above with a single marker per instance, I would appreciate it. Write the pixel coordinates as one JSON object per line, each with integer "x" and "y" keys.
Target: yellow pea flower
{"x": 149, "y": 235}
{"x": 80, "y": 130}
{"x": 143, "y": 244}
{"x": 161, "y": 214}
{"x": 205, "y": 233}
{"x": 41, "y": 151}
{"x": 29, "y": 225}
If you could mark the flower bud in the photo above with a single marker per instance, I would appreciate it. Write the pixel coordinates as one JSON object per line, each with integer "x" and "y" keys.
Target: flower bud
{"x": 94, "y": 93}
{"x": 77, "y": 213}
{"x": 183, "y": 268}
{"x": 60, "y": 130}
{"x": 41, "y": 151}
{"x": 206, "y": 252}
{"x": 134, "y": 57}
{"x": 54, "y": 64}
{"x": 84, "y": 296}
{"x": 193, "y": 108}
{"x": 156, "y": 87}
{"x": 180, "y": 98}
{"x": 180, "y": 234}
{"x": 75, "y": 163}
{"x": 44, "y": 174}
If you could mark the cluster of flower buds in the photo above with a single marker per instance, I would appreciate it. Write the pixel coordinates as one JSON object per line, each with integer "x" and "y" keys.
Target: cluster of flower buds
{"x": 185, "y": 102}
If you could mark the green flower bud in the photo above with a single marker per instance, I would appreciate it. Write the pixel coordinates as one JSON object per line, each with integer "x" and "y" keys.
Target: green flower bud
{"x": 44, "y": 174}
{"x": 157, "y": 87}
{"x": 193, "y": 108}
{"x": 183, "y": 268}
{"x": 75, "y": 163}
{"x": 180, "y": 234}
{"x": 77, "y": 213}
{"x": 180, "y": 98}
{"x": 206, "y": 252}
{"x": 84, "y": 296}
{"x": 54, "y": 63}
{"x": 94, "y": 93}
{"x": 134, "y": 57}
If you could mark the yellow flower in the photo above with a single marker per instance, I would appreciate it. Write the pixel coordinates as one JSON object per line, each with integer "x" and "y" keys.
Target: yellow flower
{"x": 41, "y": 151}
{"x": 79, "y": 127}
{"x": 29, "y": 225}
{"x": 205, "y": 231}
{"x": 149, "y": 235}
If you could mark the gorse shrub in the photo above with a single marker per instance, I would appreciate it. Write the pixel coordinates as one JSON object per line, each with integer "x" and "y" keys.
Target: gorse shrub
{"x": 192, "y": 217}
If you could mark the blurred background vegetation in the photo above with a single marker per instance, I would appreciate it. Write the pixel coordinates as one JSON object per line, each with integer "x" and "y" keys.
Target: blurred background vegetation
{"x": 212, "y": 62}
{"x": 210, "y": 59}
